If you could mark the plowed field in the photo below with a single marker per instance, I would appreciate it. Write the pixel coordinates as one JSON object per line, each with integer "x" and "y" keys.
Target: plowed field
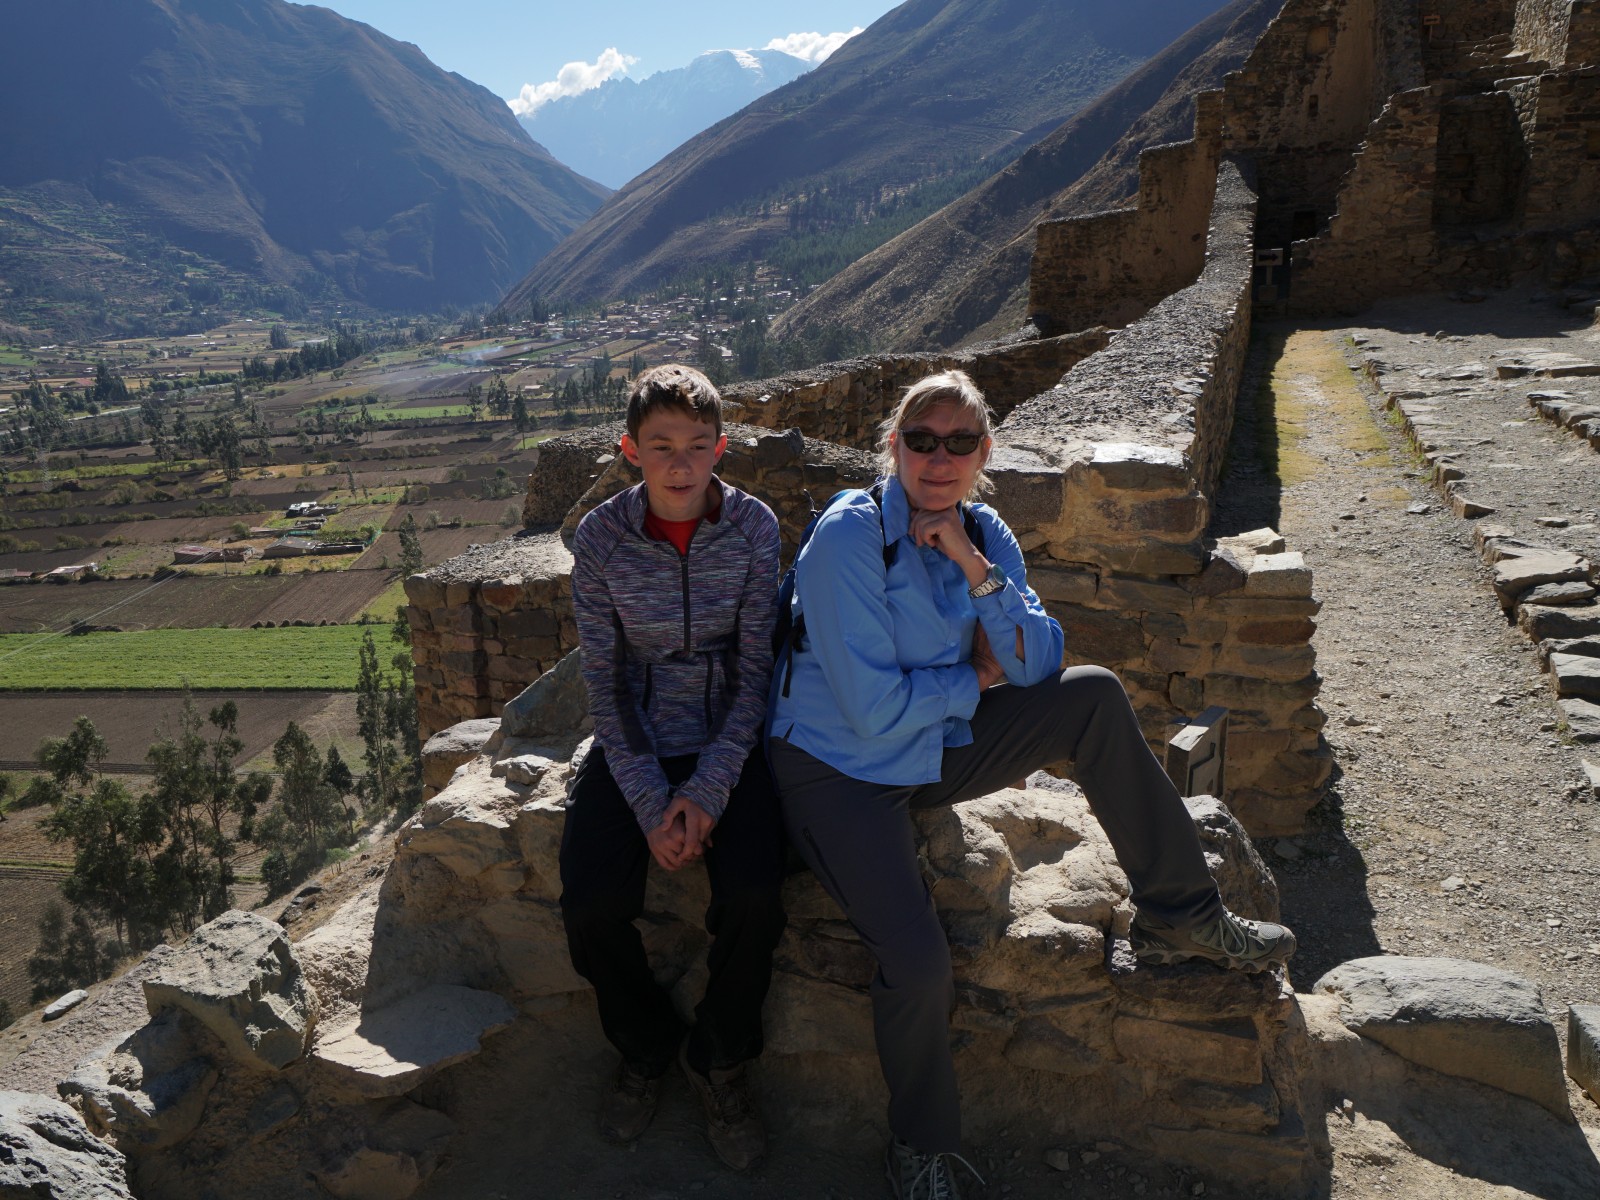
{"x": 184, "y": 602}
{"x": 131, "y": 721}
{"x": 24, "y": 893}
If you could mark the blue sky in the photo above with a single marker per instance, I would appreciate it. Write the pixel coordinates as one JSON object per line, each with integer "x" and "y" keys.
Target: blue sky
{"x": 508, "y": 44}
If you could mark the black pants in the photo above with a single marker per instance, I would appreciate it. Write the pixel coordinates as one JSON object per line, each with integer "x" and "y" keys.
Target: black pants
{"x": 859, "y": 840}
{"x": 604, "y": 858}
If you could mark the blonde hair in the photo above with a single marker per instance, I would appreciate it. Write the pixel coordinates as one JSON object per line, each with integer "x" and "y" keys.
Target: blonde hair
{"x": 947, "y": 387}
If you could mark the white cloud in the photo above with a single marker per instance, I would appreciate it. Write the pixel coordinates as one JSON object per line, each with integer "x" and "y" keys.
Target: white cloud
{"x": 813, "y": 47}
{"x": 573, "y": 78}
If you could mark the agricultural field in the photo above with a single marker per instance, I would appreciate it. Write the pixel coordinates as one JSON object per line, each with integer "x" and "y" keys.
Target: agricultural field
{"x": 314, "y": 659}
{"x": 131, "y": 721}
{"x": 189, "y": 601}
{"x": 27, "y": 891}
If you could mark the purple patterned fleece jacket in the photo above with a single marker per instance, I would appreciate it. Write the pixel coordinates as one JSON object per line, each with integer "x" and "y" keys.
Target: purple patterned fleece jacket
{"x": 677, "y": 649}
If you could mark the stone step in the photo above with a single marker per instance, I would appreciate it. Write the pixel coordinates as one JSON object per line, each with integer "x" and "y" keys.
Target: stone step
{"x": 390, "y": 1050}
{"x": 1582, "y": 719}
{"x": 1576, "y": 675}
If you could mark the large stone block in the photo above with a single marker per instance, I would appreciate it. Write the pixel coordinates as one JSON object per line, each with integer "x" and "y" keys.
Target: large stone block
{"x": 1094, "y": 636}
{"x": 390, "y": 1050}
{"x": 450, "y": 748}
{"x": 1142, "y": 595}
{"x": 1228, "y": 1052}
{"x": 1540, "y": 622}
{"x": 146, "y": 1090}
{"x": 1279, "y": 576}
{"x": 1583, "y": 1047}
{"x": 1457, "y": 1017}
{"x": 239, "y": 977}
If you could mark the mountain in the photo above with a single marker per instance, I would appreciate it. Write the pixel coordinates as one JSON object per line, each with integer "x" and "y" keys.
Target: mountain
{"x": 932, "y": 89}
{"x": 279, "y": 142}
{"x": 616, "y": 130}
{"x": 962, "y": 272}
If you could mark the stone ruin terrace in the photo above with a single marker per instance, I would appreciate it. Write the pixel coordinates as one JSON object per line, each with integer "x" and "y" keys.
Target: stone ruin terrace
{"x": 1365, "y": 148}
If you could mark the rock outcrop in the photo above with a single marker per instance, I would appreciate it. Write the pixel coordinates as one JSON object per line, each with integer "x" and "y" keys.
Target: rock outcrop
{"x": 239, "y": 978}
{"x": 47, "y": 1154}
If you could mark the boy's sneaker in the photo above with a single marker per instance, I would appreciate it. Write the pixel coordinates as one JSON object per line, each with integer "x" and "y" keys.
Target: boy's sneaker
{"x": 1229, "y": 941}
{"x": 914, "y": 1176}
{"x": 627, "y": 1111}
{"x": 731, "y": 1119}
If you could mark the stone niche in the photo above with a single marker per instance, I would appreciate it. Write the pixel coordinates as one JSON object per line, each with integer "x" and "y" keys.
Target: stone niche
{"x": 1058, "y": 1030}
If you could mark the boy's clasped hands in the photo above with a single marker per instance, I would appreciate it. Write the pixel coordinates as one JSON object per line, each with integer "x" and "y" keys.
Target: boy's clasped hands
{"x": 682, "y": 836}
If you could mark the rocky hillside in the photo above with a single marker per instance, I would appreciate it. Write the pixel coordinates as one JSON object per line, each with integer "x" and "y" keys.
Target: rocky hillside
{"x": 933, "y": 89}
{"x": 614, "y": 131}
{"x": 963, "y": 271}
{"x": 275, "y": 140}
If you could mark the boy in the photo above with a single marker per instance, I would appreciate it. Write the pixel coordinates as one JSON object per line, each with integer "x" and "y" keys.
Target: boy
{"x": 673, "y": 582}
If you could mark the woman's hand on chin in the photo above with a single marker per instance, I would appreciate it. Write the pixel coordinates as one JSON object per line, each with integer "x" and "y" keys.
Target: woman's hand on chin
{"x": 942, "y": 529}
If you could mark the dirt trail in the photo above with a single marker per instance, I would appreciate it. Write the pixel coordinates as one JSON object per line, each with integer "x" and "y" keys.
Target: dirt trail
{"x": 1441, "y": 724}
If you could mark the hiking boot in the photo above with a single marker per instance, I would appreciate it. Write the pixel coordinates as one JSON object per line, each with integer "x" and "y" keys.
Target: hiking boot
{"x": 1227, "y": 940}
{"x": 914, "y": 1176}
{"x": 626, "y": 1112}
{"x": 731, "y": 1119}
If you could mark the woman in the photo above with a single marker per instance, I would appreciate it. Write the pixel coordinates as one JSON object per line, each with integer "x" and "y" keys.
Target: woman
{"x": 892, "y": 703}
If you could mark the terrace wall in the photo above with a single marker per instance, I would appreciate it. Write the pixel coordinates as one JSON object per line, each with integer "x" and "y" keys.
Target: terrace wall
{"x": 1108, "y": 268}
{"x": 844, "y": 402}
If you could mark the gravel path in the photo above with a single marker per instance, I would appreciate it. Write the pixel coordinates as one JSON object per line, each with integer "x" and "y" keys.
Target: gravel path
{"x": 1457, "y": 822}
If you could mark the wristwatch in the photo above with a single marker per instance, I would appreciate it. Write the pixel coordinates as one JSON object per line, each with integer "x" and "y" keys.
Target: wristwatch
{"x": 992, "y": 583}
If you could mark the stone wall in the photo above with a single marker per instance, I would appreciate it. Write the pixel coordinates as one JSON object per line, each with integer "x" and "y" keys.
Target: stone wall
{"x": 565, "y": 469}
{"x": 1382, "y": 238}
{"x": 1105, "y": 480}
{"x": 1479, "y": 160}
{"x": 1540, "y": 28}
{"x": 844, "y": 402}
{"x": 1301, "y": 104}
{"x": 1110, "y": 268}
{"x": 1056, "y": 1029}
{"x": 1560, "y": 120}
{"x": 486, "y": 624}
{"x": 1583, "y": 33}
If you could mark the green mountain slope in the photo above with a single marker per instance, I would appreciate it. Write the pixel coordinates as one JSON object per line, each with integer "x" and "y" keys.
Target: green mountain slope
{"x": 279, "y": 142}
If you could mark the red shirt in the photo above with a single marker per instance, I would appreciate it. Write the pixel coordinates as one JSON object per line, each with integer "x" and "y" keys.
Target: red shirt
{"x": 678, "y": 533}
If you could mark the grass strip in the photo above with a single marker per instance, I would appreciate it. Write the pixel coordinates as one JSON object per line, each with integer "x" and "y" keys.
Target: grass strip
{"x": 318, "y": 658}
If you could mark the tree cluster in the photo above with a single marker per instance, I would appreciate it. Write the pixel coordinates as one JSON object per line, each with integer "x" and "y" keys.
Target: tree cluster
{"x": 157, "y": 864}
{"x": 327, "y": 355}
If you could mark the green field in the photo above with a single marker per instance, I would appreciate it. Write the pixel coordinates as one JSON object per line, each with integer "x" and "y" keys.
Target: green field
{"x": 322, "y": 658}
{"x": 419, "y": 414}
{"x": 106, "y": 470}
{"x": 384, "y": 607}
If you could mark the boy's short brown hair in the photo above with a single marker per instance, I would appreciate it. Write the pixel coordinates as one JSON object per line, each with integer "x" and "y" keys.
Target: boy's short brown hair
{"x": 674, "y": 386}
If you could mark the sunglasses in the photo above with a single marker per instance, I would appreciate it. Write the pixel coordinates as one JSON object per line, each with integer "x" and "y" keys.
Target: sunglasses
{"x": 920, "y": 441}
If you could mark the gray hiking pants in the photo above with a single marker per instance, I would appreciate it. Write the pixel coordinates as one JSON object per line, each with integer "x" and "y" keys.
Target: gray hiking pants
{"x": 859, "y": 841}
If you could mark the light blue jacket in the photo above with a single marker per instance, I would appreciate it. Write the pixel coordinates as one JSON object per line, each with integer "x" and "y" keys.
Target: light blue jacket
{"x": 881, "y": 684}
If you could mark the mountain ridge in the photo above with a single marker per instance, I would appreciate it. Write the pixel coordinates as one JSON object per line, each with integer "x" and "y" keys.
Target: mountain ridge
{"x": 613, "y": 132}
{"x": 285, "y": 142}
{"x": 961, "y": 273}
{"x": 929, "y": 88}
